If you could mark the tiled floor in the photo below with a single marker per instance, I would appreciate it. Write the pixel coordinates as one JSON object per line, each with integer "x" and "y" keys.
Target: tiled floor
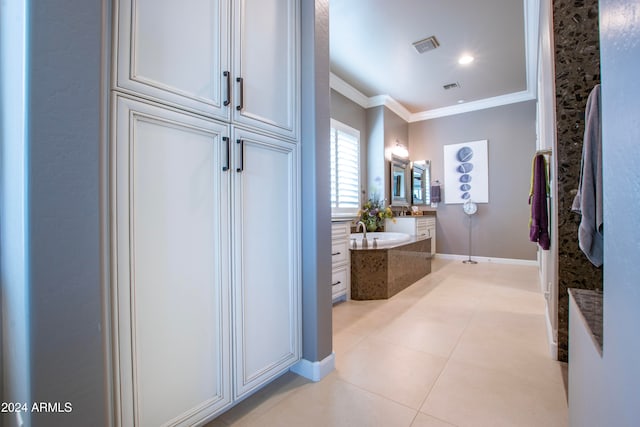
{"x": 464, "y": 346}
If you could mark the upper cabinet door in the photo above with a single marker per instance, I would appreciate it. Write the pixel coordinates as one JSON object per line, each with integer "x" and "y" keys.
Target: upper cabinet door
{"x": 175, "y": 52}
{"x": 266, "y": 64}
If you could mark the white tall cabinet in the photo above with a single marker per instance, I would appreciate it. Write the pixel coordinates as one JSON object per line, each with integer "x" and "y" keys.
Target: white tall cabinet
{"x": 205, "y": 204}
{"x": 226, "y": 59}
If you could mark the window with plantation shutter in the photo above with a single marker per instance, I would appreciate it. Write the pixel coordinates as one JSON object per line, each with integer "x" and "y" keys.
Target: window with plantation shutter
{"x": 345, "y": 169}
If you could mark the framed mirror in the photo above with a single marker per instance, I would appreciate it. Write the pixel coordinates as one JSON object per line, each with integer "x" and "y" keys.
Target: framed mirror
{"x": 399, "y": 181}
{"x": 420, "y": 180}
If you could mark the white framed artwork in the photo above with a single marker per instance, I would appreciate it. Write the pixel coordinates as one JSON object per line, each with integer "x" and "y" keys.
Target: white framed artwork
{"x": 466, "y": 172}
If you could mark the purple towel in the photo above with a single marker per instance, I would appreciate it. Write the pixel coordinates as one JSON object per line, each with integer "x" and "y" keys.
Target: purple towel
{"x": 539, "y": 231}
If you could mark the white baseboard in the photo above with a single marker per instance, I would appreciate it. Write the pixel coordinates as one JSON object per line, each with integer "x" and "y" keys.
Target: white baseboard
{"x": 315, "y": 371}
{"x": 513, "y": 261}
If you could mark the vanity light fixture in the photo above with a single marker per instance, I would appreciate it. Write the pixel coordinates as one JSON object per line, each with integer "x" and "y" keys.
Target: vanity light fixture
{"x": 465, "y": 59}
{"x": 400, "y": 150}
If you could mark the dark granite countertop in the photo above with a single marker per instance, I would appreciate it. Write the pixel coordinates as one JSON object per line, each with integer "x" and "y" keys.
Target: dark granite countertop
{"x": 590, "y": 304}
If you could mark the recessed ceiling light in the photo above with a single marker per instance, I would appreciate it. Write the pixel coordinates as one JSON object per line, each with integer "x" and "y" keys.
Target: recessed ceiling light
{"x": 460, "y": 101}
{"x": 465, "y": 59}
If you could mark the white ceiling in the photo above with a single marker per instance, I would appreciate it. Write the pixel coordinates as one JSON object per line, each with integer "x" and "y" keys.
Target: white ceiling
{"x": 374, "y": 63}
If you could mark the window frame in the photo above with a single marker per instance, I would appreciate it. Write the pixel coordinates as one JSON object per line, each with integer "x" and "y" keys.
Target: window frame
{"x": 337, "y": 126}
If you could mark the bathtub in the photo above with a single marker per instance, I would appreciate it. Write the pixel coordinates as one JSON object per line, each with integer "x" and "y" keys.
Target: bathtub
{"x": 385, "y": 239}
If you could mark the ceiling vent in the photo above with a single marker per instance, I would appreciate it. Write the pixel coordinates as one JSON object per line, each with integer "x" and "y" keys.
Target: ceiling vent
{"x": 426, "y": 45}
{"x": 451, "y": 86}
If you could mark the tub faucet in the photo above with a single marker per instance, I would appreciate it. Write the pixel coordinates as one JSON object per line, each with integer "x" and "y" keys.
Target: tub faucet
{"x": 364, "y": 235}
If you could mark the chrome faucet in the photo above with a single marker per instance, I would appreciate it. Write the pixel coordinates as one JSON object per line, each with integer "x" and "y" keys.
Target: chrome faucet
{"x": 365, "y": 244}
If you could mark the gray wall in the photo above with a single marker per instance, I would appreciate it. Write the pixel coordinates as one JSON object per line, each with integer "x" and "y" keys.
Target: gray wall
{"x": 316, "y": 210}
{"x": 396, "y": 129}
{"x": 384, "y": 127}
{"x": 348, "y": 112}
{"x": 13, "y": 273}
{"x": 620, "y": 53}
{"x": 66, "y": 111}
{"x": 375, "y": 153}
{"x": 500, "y": 228}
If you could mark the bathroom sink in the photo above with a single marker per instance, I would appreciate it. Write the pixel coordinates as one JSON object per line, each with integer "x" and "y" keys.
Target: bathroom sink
{"x": 385, "y": 239}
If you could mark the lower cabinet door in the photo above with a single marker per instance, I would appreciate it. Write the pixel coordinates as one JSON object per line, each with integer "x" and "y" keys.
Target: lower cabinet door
{"x": 266, "y": 265}
{"x": 170, "y": 281}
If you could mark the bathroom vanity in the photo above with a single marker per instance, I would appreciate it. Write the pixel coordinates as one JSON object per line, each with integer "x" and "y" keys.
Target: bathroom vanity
{"x": 382, "y": 273}
{"x": 340, "y": 278}
{"x": 419, "y": 226}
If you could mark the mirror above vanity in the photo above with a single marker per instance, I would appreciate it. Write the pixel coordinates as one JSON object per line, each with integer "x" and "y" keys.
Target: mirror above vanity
{"x": 399, "y": 181}
{"x": 420, "y": 182}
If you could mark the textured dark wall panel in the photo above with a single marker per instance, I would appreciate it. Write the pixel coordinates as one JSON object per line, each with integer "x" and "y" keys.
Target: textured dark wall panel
{"x": 577, "y": 62}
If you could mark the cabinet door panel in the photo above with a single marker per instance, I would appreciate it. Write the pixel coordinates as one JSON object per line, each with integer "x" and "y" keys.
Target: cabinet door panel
{"x": 175, "y": 52}
{"x": 172, "y": 266}
{"x": 267, "y": 296}
{"x": 266, "y": 57}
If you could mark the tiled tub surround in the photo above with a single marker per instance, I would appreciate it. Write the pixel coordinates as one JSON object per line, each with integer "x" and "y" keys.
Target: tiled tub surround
{"x": 382, "y": 273}
{"x": 589, "y": 305}
{"x": 577, "y": 67}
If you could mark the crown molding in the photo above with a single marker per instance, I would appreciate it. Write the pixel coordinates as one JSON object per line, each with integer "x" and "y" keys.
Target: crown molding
{"x": 392, "y": 104}
{"x": 532, "y": 24}
{"x": 348, "y": 91}
{"x": 359, "y": 98}
{"x": 467, "y": 107}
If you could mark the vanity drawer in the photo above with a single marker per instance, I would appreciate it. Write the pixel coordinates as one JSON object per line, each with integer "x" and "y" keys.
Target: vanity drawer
{"x": 422, "y": 229}
{"x": 340, "y": 230}
{"x": 339, "y": 251}
{"x": 339, "y": 280}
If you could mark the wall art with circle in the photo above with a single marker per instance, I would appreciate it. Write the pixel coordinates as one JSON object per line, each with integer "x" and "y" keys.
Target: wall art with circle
{"x": 466, "y": 172}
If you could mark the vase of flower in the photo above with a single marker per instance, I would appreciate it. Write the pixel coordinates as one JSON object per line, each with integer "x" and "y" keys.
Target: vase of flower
{"x": 372, "y": 224}
{"x": 373, "y": 213}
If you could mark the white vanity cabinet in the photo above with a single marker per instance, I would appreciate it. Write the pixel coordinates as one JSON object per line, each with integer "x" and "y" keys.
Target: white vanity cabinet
{"x": 194, "y": 56}
{"x": 205, "y": 203}
{"x": 340, "y": 260}
{"x": 419, "y": 226}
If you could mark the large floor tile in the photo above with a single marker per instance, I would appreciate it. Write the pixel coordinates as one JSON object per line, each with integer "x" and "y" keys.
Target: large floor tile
{"x": 468, "y": 396}
{"x": 465, "y": 345}
{"x": 395, "y": 372}
{"x": 262, "y": 401}
{"x": 424, "y": 420}
{"x": 333, "y": 402}
{"x": 420, "y": 332}
{"x": 508, "y": 342}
